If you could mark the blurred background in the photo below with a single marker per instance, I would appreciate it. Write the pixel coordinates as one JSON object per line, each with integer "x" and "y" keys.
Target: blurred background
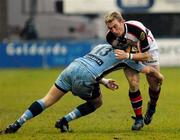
{"x": 51, "y": 33}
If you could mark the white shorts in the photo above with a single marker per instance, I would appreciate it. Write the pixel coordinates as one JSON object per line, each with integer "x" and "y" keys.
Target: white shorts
{"x": 154, "y": 60}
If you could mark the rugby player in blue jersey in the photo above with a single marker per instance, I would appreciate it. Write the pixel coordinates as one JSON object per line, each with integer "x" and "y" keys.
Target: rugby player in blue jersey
{"x": 82, "y": 78}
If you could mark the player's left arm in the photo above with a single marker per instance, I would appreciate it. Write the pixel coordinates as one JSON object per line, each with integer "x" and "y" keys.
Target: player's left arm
{"x": 109, "y": 83}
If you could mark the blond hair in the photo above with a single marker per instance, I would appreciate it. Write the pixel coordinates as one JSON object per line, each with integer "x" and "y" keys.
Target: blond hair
{"x": 109, "y": 17}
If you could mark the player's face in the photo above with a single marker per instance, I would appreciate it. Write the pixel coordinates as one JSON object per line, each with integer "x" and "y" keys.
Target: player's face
{"x": 116, "y": 27}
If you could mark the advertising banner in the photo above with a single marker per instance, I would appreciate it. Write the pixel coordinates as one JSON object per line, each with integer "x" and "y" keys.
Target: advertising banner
{"x": 61, "y": 53}
{"x": 42, "y": 54}
{"x": 169, "y": 50}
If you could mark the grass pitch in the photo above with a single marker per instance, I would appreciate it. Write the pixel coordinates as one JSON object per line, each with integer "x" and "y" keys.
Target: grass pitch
{"x": 20, "y": 87}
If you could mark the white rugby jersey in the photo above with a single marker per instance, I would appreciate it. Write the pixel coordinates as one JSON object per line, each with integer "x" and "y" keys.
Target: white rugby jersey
{"x": 136, "y": 31}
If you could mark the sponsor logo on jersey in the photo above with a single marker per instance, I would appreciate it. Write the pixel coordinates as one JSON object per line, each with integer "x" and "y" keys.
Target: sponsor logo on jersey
{"x": 94, "y": 58}
{"x": 142, "y": 36}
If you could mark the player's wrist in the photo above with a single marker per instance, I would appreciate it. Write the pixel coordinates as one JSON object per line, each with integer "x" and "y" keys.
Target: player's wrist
{"x": 130, "y": 56}
{"x": 127, "y": 55}
{"x": 105, "y": 81}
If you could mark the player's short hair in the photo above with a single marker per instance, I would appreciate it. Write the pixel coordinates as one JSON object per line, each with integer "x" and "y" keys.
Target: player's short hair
{"x": 109, "y": 17}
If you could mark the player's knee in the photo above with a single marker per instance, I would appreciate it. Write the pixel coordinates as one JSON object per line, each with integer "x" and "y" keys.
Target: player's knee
{"x": 99, "y": 104}
{"x": 134, "y": 85}
{"x": 154, "y": 84}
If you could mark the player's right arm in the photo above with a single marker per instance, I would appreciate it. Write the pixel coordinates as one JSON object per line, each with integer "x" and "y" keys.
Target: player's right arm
{"x": 120, "y": 54}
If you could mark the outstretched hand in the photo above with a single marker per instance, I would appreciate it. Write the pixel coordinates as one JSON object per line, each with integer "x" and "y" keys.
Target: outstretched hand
{"x": 110, "y": 83}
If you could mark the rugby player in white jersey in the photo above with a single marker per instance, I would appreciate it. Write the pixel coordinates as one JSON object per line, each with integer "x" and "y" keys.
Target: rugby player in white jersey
{"x": 136, "y": 42}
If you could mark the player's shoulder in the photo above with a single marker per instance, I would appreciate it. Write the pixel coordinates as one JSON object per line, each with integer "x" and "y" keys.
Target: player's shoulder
{"x": 105, "y": 45}
{"x": 134, "y": 23}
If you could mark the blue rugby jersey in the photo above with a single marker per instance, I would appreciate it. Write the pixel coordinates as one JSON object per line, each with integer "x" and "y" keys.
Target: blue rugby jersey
{"x": 101, "y": 61}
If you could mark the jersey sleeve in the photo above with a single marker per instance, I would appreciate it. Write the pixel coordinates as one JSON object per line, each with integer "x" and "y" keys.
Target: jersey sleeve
{"x": 141, "y": 35}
